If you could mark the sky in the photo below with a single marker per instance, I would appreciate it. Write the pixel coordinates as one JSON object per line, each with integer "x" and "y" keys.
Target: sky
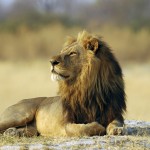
{"x": 6, "y": 2}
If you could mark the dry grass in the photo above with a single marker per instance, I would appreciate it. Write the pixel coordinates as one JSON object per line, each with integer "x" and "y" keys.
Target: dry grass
{"x": 24, "y": 80}
{"x": 138, "y": 91}
{"x": 127, "y": 44}
{"x": 26, "y": 44}
{"x": 96, "y": 142}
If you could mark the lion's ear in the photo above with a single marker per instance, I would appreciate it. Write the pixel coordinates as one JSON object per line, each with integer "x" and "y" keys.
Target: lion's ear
{"x": 91, "y": 44}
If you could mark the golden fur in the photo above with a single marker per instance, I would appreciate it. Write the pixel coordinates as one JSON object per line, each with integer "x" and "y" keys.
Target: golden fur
{"x": 91, "y": 89}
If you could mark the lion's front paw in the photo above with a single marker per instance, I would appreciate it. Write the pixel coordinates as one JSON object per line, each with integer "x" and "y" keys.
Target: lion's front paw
{"x": 94, "y": 128}
{"x": 11, "y": 132}
{"x": 115, "y": 131}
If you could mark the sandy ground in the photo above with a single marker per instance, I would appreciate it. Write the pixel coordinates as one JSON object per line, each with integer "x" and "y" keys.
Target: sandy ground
{"x": 26, "y": 80}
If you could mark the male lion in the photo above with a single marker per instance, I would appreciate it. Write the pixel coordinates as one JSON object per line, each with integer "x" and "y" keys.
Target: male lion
{"x": 91, "y": 101}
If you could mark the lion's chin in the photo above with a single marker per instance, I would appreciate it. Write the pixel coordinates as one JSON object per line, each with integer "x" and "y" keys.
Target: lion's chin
{"x": 56, "y": 77}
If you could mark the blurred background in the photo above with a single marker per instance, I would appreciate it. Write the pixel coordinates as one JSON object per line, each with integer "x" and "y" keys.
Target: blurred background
{"x": 31, "y": 31}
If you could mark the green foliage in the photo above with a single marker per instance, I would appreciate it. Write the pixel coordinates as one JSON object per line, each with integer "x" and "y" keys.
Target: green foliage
{"x": 134, "y": 14}
{"x": 34, "y": 21}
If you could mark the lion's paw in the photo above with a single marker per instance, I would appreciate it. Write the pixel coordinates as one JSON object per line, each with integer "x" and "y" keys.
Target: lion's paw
{"x": 94, "y": 128}
{"x": 11, "y": 132}
{"x": 116, "y": 131}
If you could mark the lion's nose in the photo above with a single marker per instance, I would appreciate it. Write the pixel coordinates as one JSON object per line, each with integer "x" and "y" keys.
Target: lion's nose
{"x": 54, "y": 62}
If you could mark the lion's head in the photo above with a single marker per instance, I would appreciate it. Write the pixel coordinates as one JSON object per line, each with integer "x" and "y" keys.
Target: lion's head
{"x": 76, "y": 58}
{"x": 90, "y": 80}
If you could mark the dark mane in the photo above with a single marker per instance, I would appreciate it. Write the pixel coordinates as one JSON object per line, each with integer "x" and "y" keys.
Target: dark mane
{"x": 98, "y": 93}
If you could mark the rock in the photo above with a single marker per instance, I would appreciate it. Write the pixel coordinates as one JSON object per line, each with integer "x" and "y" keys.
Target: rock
{"x": 139, "y": 128}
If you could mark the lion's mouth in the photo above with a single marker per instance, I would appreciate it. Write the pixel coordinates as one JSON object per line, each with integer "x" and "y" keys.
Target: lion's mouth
{"x": 55, "y": 76}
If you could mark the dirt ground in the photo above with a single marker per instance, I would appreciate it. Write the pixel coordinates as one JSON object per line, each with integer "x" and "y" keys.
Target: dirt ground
{"x": 26, "y": 80}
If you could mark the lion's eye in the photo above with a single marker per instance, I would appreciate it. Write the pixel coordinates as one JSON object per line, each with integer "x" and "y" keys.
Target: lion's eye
{"x": 72, "y": 54}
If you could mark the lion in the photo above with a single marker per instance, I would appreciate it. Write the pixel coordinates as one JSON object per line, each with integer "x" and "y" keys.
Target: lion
{"x": 91, "y": 97}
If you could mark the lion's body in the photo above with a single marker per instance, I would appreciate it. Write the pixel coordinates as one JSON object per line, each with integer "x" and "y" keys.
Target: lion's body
{"x": 91, "y": 89}
{"x": 52, "y": 123}
{"x": 45, "y": 114}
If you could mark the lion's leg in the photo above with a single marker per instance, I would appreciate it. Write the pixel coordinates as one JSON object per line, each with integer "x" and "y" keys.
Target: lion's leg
{"x": 89, "y": 129}
{"x": 20, "y": 114}
{"x": 115, "y": 128}
{"x": 27, "y": 131}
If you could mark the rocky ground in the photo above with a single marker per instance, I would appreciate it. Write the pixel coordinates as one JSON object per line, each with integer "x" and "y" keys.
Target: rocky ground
{"x": 137, "y": 137}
